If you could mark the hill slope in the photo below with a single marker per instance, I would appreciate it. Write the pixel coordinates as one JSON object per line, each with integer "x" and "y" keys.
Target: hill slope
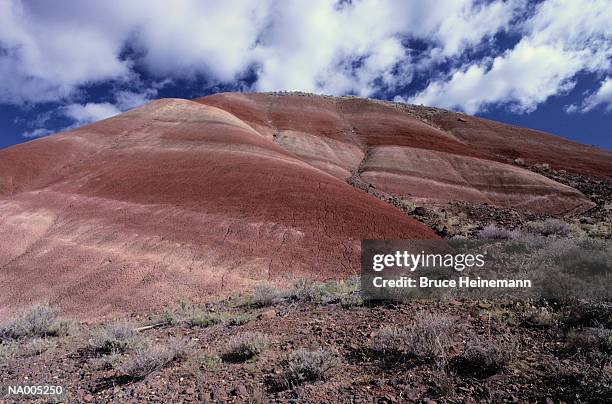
{"x": 201, "y": 198}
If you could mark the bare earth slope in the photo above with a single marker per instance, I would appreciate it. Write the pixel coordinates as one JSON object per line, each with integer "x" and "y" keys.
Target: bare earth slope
{"x": 196, "y": 199}
{"x": 406, "y": 154}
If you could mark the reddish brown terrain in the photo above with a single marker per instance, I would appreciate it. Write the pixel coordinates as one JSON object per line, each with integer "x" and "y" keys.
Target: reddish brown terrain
{"x": 193, "y": 199}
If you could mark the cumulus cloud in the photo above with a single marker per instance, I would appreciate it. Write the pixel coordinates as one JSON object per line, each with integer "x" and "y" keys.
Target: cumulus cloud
{"x": 48, "y": 53}
{"x": 602, "y": 97}
{"x": 53, "y": 50}
{"x": 562, "y": 38}
{"x": 90, "y": 112}
{"x": 359, "y": 48}
{"x": 82, "y": 114}
{"x": 523, "y": 77}
{"x": 79, "y": 114}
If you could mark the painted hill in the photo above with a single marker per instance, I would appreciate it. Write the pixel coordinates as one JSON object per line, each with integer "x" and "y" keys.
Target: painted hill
{"x": 203, "y": 198}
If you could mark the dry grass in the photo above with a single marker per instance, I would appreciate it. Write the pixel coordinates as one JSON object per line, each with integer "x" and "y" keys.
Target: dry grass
{"x": 266, "y": 294}
{"x": 114, "y": 338}
{"x": 484, "y": 357}
{"x": 492, "y": 232}
{"x": 245, "y": 346}
{"x": 152, "y": 357}
{"x": 306, "y": 365}
{"x": 37, "y": 321}
{"x": 14, "y": 349}
{"x": 427, "y": 339}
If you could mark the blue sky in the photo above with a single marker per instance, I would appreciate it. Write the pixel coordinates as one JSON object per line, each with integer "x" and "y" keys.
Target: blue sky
{"x": 540, "y": 64}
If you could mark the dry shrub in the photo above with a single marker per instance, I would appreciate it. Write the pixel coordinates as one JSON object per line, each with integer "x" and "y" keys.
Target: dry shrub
{"x": 245, "y": 346}
{"x": 306, "y": 290}
{"x": 306, "y": 365}
{"x": 8, "y": 351}
{"x": 492, "y": 232}
{"x": 37, "y": 321}
{"x": 539, "y": 317}
{"x": 594, "y": 343}
{"x": 556, "y": 227}
{"x": 150, "y": 358}
{"x": 266, "y": 294}
{"x": 591, "y": 338}
{"x": 13, "y": 349}
{"x": 427, "y": 339}
{"x": 113, "y": 338}
{"x": 484, "y": 357}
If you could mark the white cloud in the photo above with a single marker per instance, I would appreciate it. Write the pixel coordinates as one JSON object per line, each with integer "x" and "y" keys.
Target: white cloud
{"x": 51, "y": 50}
{"x": 82, "y": 114}
{"x": 37, "y": 133}
{"x": 90, "y": 112}
{"x": 129, "y": 99}
{"x": 563, "y": 38}
{"x": 525, "y": 76}
{"x": 603, "y": 97}
{"x": 79, "y": 114}
{"x": 311, "y": 45}
{"x": 47, "y": 52}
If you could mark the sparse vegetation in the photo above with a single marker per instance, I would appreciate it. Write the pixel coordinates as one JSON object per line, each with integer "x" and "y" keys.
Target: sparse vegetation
{"x": 245, "y": 346}
{"x": 483, "y": 358}
{"x": 114, "y": 338}
{"x": 202, "y": 318}
{"x": 427, "y": 339}
{"x": 306, "y": 290}
{"x": 111, "y": 361}
{"x": 306, "y": 365}
{"x": 351, "y": 300}
{"x": 239, "y": 319}
{"x": 266, "y": 294}
{"x": 539, "y": 317}
{"x": 205, "y": 360}
{"x": 37, "y": 321}
{"x": 14, "y": 349}
{"x": 151, "y": 357}
{"x": 8, "y": 350}
{"x": 407, "y": 205}
{"x": 493, "y": 232}
{"x": 549, "y": 227}
{"x": 595, "y": 343}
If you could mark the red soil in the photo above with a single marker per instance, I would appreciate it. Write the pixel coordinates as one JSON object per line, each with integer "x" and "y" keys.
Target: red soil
{"x": 182, "y": 199}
